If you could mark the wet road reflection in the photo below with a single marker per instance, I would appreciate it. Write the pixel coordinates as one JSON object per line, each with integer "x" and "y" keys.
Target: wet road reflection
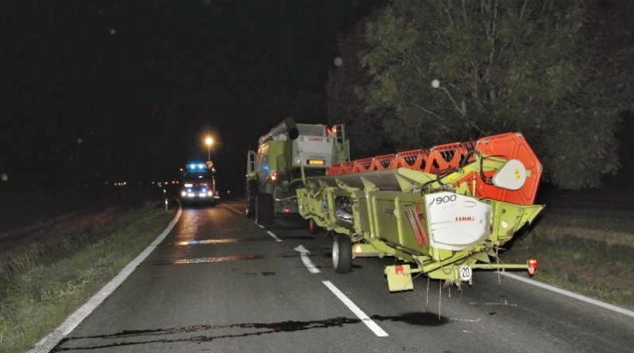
{"x": 217, "y": 259}
{"x": 204, "y": 227}
{"x": 187, "y": 227}
{"x": 208, "y": 241}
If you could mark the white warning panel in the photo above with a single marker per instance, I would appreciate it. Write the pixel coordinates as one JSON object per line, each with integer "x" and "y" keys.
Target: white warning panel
{"x": 511, "y": 176}
{"x": 456, "y": 222}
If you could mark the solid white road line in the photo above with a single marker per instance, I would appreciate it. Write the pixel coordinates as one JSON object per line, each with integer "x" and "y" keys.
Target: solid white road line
{"x": 51, "y": 340}
{"x": 234, "y": 209}
{"x": 274, "y": 236}
{"x": 570, "y": 294}
{"x": 277, "y": 239}
{"x": 356, "y": 310}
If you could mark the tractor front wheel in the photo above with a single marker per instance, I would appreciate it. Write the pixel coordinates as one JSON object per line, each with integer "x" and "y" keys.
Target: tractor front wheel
{"x": 264, "y": 212}
{"x": 252, "y": 193}
{"x": 341, "y": 253}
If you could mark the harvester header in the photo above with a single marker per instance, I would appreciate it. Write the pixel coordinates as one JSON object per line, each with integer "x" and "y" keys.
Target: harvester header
{"x": 442, "y": 211}
{"x": 515, "y": 187}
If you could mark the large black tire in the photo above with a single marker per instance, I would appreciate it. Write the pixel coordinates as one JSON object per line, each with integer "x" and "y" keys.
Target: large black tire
{"x": 264, "y": 209}
{"x": 250, "y": 209}
{"x": 252, "y": 193}
{"x": 341, "y": 253}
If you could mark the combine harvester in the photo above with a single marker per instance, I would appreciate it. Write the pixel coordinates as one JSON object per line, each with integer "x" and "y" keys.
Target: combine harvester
{"x": 443, "y": 211}
{"x": 286, "y": 155}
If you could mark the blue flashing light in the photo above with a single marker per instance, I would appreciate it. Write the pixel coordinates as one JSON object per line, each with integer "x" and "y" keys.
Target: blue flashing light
{"x": 196, "y": 166}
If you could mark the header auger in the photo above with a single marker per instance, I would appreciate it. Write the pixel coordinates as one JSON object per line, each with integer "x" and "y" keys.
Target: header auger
{"x": 442, "y": 211}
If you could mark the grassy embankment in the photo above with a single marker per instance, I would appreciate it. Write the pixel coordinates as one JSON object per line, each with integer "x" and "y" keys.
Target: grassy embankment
{"x": 44, "y": 282}
{"x": 589, "y": 255}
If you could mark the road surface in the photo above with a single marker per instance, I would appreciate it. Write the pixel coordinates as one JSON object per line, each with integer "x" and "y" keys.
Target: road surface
{"x": 220, "y": 283}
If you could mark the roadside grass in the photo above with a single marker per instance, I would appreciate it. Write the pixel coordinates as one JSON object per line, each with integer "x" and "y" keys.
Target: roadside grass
{"x": 588, "y": 255}
{"x": 44, "y": 283}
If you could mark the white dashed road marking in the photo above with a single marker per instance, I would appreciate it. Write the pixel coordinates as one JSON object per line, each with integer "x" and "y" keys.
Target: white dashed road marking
{"x": 274, "y": 236}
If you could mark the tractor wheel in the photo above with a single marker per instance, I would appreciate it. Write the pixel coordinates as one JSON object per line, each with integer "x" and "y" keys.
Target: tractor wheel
{"x": 313, "y": 228}
{"x": 264, "y": 211}
{"x": 341, "y": 253}
{"x": 250, "y": 210}
{"x": 252, "y": 192}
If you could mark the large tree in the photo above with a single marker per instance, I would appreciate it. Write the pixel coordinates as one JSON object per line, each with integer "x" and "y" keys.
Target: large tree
{"x": 457, "y": 70}
{"x": 363, "y": 128}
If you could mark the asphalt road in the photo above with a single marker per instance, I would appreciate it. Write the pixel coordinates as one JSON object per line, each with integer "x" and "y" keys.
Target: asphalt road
{"x": 220, "y": 283}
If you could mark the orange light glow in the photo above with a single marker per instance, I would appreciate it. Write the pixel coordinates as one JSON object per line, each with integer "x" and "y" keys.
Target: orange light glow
{"x": 532, "y": 266}
{"x": 316, "y": 162}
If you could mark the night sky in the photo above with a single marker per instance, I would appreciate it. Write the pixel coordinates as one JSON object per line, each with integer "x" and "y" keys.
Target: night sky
{"x": 96, "y": 91}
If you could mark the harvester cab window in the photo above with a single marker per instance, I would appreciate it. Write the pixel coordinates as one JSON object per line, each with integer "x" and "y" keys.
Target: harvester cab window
{"x": 311, "y": 130}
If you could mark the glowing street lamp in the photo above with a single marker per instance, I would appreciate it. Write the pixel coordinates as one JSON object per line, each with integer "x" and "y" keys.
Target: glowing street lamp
{"x": 460, "y": 108}
{"x": 209, "y": 141}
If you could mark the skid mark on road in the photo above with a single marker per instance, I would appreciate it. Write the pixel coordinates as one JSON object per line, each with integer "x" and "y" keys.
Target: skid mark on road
{"x": 136, "y": 337}
{"x": 161, "y": 335}
{"x": 264, "y": 274}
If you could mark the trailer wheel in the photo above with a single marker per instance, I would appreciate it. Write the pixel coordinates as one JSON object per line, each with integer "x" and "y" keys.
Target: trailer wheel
{"x": 341, "y": 253}
{"x": 313, "y": 228}
{"x": 264, "y": 212}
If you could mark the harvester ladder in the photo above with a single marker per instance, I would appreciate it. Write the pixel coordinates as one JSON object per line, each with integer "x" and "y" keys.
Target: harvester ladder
{"x": 341, "y": 143}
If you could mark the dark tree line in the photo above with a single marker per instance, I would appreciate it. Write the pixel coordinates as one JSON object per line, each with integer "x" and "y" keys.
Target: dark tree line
{"x": 421, "y": 72}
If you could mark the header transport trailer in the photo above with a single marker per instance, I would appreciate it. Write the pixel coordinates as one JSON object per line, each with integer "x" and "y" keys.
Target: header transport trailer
{"x": 442, "y": 211}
